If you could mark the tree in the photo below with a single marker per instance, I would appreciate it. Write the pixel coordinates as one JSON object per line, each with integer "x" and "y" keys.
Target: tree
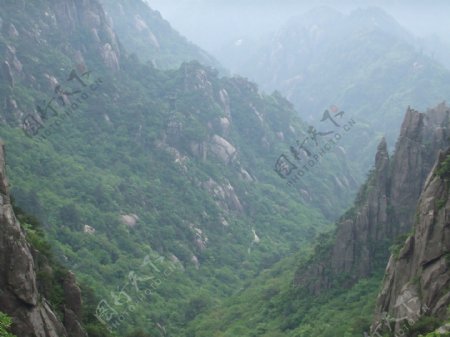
{"x": 5, "y": 323}
{"x": 70, "y": 217}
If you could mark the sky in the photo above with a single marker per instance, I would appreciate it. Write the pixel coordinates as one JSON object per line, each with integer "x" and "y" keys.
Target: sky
{"x": 211, "y": 24}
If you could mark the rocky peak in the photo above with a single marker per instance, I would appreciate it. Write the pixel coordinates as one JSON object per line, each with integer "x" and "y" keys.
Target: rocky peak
{"x": 352, "y": 251}
{"x": 418, "y": 277}
{"x": 422, "y": 135}
{"x": 384, "y": 207}
{"x": 19, "y": 295}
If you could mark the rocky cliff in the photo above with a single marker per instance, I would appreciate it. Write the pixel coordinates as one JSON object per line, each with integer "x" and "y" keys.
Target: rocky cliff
{"x": 19, "y": 295}
{"x": 384, "y": 207}
{"x": 417, "y": 277}
{"x": 78, "y": 29}
{"x": 144, "y": 32}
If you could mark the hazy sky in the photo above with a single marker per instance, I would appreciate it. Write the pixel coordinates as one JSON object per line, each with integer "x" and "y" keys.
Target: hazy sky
{"x": 212, "y": 23}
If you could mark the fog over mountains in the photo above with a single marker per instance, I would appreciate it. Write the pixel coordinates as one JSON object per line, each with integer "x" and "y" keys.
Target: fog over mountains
{"x": 234, "y": 20}
{"x": 201, "y": 168}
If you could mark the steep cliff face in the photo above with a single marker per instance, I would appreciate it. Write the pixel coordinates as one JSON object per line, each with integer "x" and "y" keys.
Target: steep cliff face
{"x": 145, "y": 32}
{"x": 421, "y": 137}
{"x": 79, "y": 30}
{"x": 418, "y": 277}
{"x": 19, "y": 295}
{"x": 384, "y": 208}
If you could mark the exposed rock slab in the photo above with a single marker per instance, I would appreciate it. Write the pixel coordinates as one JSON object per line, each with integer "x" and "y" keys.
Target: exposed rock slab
{"x": 417, "y": 280}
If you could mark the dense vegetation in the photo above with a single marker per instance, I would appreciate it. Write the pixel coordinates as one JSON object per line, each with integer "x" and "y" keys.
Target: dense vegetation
{"x": 5, "y": 323}
{"x": 144, "y": 32}
{"x": 51, "y": 274}
{"x": 364, "y": 62}
{"x": 202, "y": 225}
{"x": 444, "y": 169}
{"x": 138, "y": 199}
{"x": 271, "y": 306}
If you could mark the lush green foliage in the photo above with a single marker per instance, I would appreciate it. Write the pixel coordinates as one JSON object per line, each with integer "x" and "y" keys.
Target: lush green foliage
{"x": 362, "y": 61}
{"x": 435, "y": 334}
{"x": 444, "y": 169}
{"x": 270, "y": 306}
{"x": 128, "y": 150}
{"x": 424, "y": 325}
{"x": 50, "y": 275}
{"x": 145, "y": 33}
{"x": 207, "y": 228}
{"x": 5, "y": 323}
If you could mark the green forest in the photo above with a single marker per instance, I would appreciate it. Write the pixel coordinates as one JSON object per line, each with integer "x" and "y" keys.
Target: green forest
{"x": 138, "y": 163}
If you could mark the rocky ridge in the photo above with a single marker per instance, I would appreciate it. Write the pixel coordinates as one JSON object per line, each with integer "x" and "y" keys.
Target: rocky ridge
{"x": 146, "y": 33}
{"x": 19, "y": 295}
{"x": 418, "y": 276}
{"x": 384, "y": 208}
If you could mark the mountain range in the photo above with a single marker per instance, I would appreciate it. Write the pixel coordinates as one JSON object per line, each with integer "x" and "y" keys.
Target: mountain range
{"x": 149, "y": 196}
{"x": 363, "y": 62}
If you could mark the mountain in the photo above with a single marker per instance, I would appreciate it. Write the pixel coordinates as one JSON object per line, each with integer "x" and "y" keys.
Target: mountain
{"x": 157, "y": 188}
{"x": 42, "y": 298}
{"x": 385, "y": 205}
{"x": 172, "y": 192}
{"x": 363, "y": 62}
{"x": 331, "y": 290}
{"x": 144, "y": 32}
{"x": 415, "y": 295}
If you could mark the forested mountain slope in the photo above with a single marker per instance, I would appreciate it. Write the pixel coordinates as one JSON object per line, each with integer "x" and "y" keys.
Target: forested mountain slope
{"x": 332, "y": 289}
{"x": 157, "y": 188}
{"x": 41, "y": 296}
{"x": 144, "y": 32}
{"x": 363, "y": 62}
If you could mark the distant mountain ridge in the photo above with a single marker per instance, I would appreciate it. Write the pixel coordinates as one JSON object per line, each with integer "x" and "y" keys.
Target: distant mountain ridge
{"x": 175, "y": 166}
{"x": 364, "y": 62}
{"x": 144, "y": 32}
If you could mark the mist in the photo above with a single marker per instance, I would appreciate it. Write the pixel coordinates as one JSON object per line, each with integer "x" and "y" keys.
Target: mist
{"x": 214, "y": 24}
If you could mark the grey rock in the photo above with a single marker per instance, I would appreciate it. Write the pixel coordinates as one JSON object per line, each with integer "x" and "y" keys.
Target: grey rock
{"x": 417, "y": 281}
{"x": 385, "y": 206}
{"x": 19, "y": 296}
{"x": 12, "y": 31}
{"x": 224, "y": 195}
{"x": 7, "y": 73}
{"x": 222, "y": 149}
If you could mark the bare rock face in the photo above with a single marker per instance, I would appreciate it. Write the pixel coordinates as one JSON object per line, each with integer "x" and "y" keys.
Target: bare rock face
{"x": 110, "y": 57}
{"x": 385, "y": 206}
{"x": 19, "y": 296}
{"x": 12, "y": 31}
{"x": 352, "y": 251}
{"x": 72, "y": 309}
{"x": 142, "y": 27}
{"x": 417, "y": 279}
{"x": 7, "y": 73}
{"x": 88, "y": 14}
{"x": 224, "y": 195}
{"x": 222, "y": 149}
{"x": 421, "y": 138}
